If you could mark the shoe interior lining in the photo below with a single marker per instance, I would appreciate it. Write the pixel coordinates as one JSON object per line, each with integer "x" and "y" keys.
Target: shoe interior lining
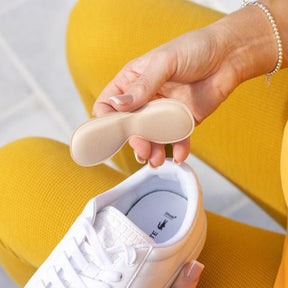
{"x": 157, "y": 206}
{"x": 159, "y": 214}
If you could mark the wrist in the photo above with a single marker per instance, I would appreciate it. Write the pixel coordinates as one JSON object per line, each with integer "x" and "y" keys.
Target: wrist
{"x": 249, "y": 42}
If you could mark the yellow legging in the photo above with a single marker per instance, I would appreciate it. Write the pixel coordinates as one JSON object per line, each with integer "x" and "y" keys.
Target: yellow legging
{"x": 43, "y": 190}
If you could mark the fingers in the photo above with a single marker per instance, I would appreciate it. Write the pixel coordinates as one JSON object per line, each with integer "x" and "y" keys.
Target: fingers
{"x": 136, "y": 84}
{"x": 155, "y": 153}
{"x": 189, "y": 276}
{"x": 145, "y": 151}
{"x": 157, "y": 156}
{"x": 141, "y": 90}
{"x": 101, "y": 105}
{"x": 142, "y": 149}
{"x": 181, "y": 150}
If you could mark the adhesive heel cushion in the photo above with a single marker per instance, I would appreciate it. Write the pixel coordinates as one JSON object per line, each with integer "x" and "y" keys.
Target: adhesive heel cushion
{"x": 161, "y": 121}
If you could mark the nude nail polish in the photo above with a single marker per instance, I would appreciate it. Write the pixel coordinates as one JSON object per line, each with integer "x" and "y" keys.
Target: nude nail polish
{"x": 175, "y": 162}
{"x": 151, "y": 166}
{"x": 124, "y": 99}
{"x": 139, "y": 160}
{"x": 193, "y": 271}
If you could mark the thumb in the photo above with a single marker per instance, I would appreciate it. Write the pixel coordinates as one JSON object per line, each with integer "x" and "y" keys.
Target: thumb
{"x": 189, "y": 276}
{"x": 142, "y": 89}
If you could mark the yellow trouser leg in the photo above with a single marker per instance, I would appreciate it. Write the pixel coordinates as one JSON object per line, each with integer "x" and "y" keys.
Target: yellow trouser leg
{"x": 42, "y": 193}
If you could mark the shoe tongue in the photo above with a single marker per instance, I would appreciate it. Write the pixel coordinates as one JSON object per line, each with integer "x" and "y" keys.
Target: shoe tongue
{"x": 114, "y": 228}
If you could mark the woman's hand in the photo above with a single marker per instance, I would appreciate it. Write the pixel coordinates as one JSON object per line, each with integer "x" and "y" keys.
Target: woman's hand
{"x": 192, "y": 68}
{"x": 189, "y": 276}
{"x": 200, "y": 68}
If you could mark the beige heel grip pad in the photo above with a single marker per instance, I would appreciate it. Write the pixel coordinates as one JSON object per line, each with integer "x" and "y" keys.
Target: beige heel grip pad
{"x": 161, "y": 121}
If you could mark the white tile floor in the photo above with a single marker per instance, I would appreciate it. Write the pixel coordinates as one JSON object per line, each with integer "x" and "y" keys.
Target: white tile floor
{"x": 37, "y": 96}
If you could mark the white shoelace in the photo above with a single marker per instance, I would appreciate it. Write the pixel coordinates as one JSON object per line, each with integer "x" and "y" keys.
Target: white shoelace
{"x": 87, "y": 264}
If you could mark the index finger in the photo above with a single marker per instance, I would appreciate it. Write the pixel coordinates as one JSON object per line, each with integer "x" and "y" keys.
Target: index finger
{"x": 102, "y": 106}
{"x": 119, "y": 85}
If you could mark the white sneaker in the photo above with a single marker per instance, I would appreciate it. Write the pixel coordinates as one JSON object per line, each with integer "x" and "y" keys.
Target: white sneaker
{"x": 138, "y": 234}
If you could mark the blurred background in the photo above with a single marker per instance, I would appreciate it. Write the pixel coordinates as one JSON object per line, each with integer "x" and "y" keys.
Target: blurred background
{"x": 38, "y": 98}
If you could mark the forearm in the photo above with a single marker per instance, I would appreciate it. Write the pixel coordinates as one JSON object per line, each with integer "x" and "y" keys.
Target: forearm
{"x": 249, "y": 40}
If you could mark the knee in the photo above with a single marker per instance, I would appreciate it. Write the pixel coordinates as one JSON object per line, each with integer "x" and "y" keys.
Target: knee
{"x": 42, "y": 192}
{"x": 20, "y": 154}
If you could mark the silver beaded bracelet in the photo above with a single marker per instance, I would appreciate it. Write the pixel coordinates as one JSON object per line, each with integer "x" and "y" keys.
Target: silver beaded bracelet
{"x": 276, "y": 32}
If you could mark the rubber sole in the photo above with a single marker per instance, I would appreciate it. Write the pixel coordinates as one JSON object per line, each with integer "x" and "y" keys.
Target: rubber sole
{"x": 193, "y": 256}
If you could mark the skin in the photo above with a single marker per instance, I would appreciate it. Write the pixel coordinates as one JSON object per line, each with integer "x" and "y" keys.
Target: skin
{"x": 200, "y": 68}
{"x": 189, "y": 276}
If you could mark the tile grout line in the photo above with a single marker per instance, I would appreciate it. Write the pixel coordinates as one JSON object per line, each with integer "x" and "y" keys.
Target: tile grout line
{"x": 11, "y": 6}
{"x": 228, "y": 211}
{"x": 18, "y": 106}
{"x": 37, "y": 90}
{"x": 218, "y": 6}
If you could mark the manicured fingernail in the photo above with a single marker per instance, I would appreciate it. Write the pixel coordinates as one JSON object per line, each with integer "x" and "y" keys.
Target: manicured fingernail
{"x": 124, "y": 99}
{"x": 151, "y": 166}
{"x": 193, "y": 271}
{"x": 175, "y": 162}
{"x": 138, "y": 159}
